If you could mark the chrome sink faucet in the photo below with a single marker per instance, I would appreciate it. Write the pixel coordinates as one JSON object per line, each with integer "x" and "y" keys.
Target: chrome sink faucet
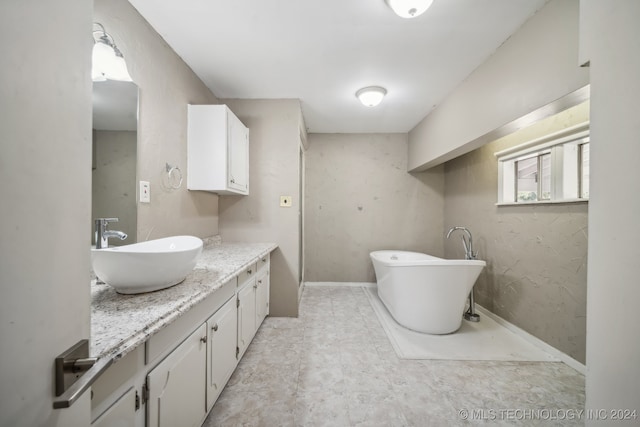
{"x": 467, "y": 242}
{"x": 102, "y": 234}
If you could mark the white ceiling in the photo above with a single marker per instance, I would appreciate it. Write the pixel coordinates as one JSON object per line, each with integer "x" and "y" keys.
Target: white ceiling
{"x": 322, "y": 51}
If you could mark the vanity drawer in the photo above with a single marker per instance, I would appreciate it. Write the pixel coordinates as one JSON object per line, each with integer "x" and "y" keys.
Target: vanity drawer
{"x": 264, "y": 262}
{"x": 247, "y": 274}
{"x": 171, "y": 336}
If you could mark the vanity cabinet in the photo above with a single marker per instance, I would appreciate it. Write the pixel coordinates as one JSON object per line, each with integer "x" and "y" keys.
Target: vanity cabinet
{"x": 116, "y": 395}
{"x": 121, "y": 413}
{"x": 177, "y": 388}
{"x": 217, "y": 151}
{"x": 253, "y": 301}
{"x": 262, "y": 290}
{"x": 246, "y": 309}
{"x": 222, "y": 359}
{"x": 175, "y": 378}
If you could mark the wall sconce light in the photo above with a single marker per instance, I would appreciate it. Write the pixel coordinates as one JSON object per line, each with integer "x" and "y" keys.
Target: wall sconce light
{"x": 371, "y": 96}
{"x": 107, "y": 62}
{"x": 409, "y": 8}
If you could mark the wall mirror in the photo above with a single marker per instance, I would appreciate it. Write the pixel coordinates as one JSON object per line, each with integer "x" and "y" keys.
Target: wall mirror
{"x": 115, "y": 125}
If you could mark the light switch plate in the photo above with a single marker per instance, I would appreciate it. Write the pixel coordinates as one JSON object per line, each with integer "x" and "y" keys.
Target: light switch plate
{"x": 145, "y": 192}
{"x": 285, "y": 201}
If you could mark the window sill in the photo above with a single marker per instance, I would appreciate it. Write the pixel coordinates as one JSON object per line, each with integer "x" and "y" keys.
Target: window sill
{"x": 543, "y": 202}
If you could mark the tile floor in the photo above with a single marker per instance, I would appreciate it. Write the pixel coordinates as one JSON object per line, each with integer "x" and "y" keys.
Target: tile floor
{"x": 334, "y": 366}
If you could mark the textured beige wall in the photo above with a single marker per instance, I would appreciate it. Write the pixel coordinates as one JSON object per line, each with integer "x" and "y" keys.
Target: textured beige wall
{"x": 274, "y": 146}
{"x": 166, "y": 85}
{"x": 536, "y": 272}
{"x": 45, "y": 185}
{"x": 114, "y": 182}
{"x": 360, "y": 198}
{"x": 535, "y": 66}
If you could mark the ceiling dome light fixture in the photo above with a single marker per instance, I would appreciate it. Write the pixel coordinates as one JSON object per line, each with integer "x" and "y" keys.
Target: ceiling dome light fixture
{"x": 371, "y": 96}
{"x": 409, "y": 8}
{"x": 107, "y": 60}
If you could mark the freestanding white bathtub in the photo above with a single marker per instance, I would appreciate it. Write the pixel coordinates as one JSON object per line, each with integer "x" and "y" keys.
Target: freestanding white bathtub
{"x": 422, "y": 292}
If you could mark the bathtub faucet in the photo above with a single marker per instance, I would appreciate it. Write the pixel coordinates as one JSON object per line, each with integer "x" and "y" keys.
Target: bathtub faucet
{"x": 467, "y": 242}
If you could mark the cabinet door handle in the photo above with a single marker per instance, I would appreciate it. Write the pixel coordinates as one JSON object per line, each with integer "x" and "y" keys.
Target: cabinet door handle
{"x": 203, "y": 339}
{"x": 215, "y": 327}
{"x": 255, "y": 286}
{"x": 260, "y": 281}
{"x": 249, "y": 271}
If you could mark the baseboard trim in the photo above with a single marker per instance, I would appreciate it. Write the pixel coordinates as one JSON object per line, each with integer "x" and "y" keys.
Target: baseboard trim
{"x": 565, "y": 358}
{"x": 341, "y": 284}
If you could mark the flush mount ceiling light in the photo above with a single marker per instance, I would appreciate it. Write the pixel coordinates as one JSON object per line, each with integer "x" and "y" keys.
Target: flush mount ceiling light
{"x": 107, "y": 62}
{"x": 409, "y": 8}
{"x": 371, "y": 96}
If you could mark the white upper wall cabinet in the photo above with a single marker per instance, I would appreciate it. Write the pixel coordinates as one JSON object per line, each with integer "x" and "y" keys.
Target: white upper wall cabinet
{"x": 217, "y": 151}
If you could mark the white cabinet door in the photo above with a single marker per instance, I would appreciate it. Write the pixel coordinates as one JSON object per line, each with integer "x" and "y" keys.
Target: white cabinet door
{"x": 121, "y": 414}
{"x": 262, "y": 296}
{"x": 177, "y": 385}
{"x": 246, "y": 315}
{"x": 222, "y": 330}
{"x": 217, "y": 150}
{"x": 238, "y": 155}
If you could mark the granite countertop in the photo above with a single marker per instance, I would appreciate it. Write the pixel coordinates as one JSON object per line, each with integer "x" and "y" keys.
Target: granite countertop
{"x": 120, "y": 323}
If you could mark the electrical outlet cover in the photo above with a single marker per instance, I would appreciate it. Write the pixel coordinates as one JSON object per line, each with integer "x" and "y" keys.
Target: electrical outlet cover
{"x": 145, "y": 192}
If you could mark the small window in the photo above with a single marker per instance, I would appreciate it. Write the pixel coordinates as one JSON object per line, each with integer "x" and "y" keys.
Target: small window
{"x": 554, "y": 168}
{"x": 533, "y": 181}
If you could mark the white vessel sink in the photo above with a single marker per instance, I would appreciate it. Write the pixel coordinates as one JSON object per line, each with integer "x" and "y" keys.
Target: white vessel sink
{"x": 147, "y": 266}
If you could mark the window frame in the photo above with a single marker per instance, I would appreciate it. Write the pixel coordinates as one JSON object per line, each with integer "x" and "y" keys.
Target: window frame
{"x": 567, "y": 173}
